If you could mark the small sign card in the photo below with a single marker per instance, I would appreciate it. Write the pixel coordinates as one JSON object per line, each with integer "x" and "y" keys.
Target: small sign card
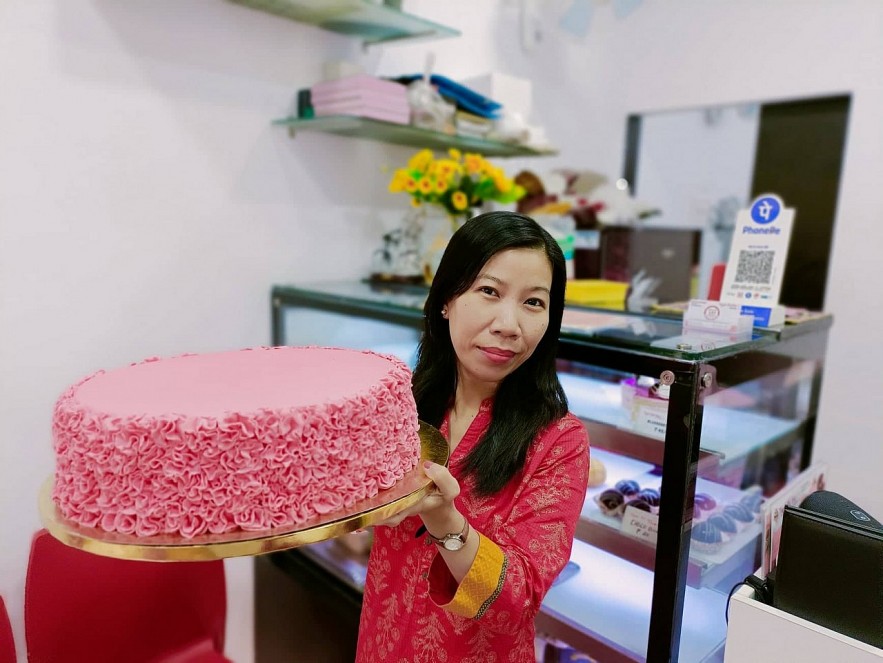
{"x": 773, "y": 509}
{"x": 753, "y": 277}
{"x": 716, "y": 317}
{"x": 640, "y": 524}
{"x": 650, "y": 416}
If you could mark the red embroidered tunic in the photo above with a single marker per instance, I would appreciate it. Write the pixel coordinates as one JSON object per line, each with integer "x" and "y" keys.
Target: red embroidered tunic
{"x": 415, "y": 612}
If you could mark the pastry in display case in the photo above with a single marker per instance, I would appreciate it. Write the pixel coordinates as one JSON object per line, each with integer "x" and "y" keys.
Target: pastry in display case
{"x": 677, "y": 437}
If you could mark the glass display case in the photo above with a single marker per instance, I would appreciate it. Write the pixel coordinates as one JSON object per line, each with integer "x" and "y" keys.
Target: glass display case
{"x": 692, "y": 437}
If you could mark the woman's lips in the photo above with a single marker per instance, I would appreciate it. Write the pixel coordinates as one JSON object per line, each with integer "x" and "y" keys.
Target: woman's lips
{"x": 497, "y": 355}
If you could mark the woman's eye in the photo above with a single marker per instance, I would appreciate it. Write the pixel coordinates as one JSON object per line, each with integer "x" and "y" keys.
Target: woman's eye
{"x": 533, "y": 301}
{"x": 486, "y": 289}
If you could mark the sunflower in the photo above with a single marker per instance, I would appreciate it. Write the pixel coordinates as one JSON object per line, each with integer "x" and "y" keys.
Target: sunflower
{"x": 457, "y": 182}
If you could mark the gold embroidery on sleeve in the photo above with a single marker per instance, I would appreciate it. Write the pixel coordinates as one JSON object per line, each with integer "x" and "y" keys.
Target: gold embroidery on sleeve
{"x": 493, "y": 597}
{"x": 482, "y": 583}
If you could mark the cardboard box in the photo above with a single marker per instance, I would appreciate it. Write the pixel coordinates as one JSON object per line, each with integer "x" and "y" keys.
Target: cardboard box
{"x": 516, "y": 94}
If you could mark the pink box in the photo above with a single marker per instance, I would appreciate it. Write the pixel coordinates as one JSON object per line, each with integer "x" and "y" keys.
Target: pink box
{"x": 354, "y": 103}
{"x": 357, "y": 85}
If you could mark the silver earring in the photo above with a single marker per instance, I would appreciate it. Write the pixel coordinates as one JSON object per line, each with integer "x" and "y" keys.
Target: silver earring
{"x": 444, "y": 311}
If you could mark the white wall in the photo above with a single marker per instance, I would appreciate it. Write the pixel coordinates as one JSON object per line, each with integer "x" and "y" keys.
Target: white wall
{"x": 669, "y": 55}
{"x": 147, "y": 205}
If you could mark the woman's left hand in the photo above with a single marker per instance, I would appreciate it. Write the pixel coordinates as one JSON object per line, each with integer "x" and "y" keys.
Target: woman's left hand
{"x": 439, "y": 503}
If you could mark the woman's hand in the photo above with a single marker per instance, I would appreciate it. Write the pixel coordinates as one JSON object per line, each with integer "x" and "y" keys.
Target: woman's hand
{"x": 438, "y": 505}
{"x": 441, "y": 517}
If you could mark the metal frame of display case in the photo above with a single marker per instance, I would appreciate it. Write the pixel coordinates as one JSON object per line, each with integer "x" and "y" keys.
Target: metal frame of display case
{"x": 692, "y": 376}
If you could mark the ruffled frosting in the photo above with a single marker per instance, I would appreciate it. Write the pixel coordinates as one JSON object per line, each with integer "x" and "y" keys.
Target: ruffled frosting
{"x": 178, "y": 474}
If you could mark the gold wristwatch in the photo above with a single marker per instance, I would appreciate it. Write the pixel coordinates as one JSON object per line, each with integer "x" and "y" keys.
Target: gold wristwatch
{"x": 452, "y": 542}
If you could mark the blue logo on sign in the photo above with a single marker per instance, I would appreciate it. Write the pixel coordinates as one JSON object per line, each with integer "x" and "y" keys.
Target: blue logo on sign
{"x": 765, "y": 210}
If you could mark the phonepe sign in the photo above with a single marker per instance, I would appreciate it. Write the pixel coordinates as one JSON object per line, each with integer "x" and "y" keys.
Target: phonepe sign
{"x": 766, "y": 209}
{"x": 753, "y": 277}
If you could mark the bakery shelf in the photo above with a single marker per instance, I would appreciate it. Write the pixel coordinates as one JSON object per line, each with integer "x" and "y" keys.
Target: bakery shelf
{"x": 626, "y": 442}
{"x": 594, "y": 620}
{"x": 736, "y": 558}
{"x": 728, "y": 434}
{"x": 374, "y": 23}
{"x": 604, "y": 610}
{"x": 405, "y": 134}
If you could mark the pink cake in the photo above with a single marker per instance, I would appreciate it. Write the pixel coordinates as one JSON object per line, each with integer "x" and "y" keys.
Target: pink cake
{"x": 246, "y": 440}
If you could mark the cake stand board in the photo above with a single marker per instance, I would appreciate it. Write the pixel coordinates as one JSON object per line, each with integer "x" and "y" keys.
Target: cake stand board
{"x": 169, "y": 548}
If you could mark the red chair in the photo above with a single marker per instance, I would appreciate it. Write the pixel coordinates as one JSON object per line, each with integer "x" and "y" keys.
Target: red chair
{"x": 7, "y": 642}
{"x": 85, "y": 607}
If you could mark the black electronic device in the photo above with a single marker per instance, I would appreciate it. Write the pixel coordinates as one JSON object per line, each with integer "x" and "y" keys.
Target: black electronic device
{"x": 830, "y": 566}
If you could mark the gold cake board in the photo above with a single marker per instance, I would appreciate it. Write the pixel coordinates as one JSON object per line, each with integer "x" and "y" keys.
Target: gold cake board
{"x": 409, "y": 490}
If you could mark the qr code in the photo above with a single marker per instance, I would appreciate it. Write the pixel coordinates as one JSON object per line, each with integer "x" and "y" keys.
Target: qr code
{"x": 754, "y": 267}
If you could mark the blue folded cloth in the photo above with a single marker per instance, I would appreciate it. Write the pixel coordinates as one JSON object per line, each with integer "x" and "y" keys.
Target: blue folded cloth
{"x": 465, "y": 98}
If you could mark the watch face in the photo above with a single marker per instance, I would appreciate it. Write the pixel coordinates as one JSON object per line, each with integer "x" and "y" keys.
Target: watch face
{"x": 453, "y": 544}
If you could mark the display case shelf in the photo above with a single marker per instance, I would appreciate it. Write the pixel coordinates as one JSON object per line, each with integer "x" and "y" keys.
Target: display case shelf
{"x": 372, "y": 22}
{"x": 405, "y": 134}
{"x": 604, "y": 610}
{"x": 601, "y": 619}
{"x": 604, "y": 532}
{"x": 727, "y": 434}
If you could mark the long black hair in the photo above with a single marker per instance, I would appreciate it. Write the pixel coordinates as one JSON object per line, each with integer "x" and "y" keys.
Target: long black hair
{"x": 528, "y": 399}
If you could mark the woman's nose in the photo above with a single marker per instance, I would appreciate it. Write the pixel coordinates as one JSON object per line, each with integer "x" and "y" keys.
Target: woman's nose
{"x": 505, "y": 321}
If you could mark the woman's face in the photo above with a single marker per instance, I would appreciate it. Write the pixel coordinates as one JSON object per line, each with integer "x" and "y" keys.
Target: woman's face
{"x": 497, "y": 323}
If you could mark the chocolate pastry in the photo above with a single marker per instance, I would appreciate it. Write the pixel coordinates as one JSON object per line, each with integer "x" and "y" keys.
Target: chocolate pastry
{"x": 649, "y": 495}
{"x": 704, "y": 501}
{"x": 610, "y": 501}
{"x": 739, "y": 512}
{"x": 640, "y": 504}
{"x": 724, "y": 523}
{"x": 627, "y": 487}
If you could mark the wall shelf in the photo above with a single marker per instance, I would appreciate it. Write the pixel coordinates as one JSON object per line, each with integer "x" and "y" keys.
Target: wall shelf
{"x": 405, "y": 134}
{"x": 373, "y": 23}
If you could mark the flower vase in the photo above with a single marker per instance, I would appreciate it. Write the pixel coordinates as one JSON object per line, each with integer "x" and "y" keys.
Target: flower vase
{"x": 400, "y": 257}
{"x": 438, "y": 227}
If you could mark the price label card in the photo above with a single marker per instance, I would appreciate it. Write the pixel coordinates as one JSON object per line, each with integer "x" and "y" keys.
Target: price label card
{"x": 650, "y": 416}
{"x": 716, "y": 317}
{"x": 640, "y": 524}
{"x": 758, "y": 253}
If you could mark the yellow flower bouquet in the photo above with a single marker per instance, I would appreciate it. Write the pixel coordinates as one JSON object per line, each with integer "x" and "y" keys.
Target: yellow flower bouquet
{"x": 457, "y": 182}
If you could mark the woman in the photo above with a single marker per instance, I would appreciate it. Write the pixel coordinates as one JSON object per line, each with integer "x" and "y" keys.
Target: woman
{"x": 460, "y": 576}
